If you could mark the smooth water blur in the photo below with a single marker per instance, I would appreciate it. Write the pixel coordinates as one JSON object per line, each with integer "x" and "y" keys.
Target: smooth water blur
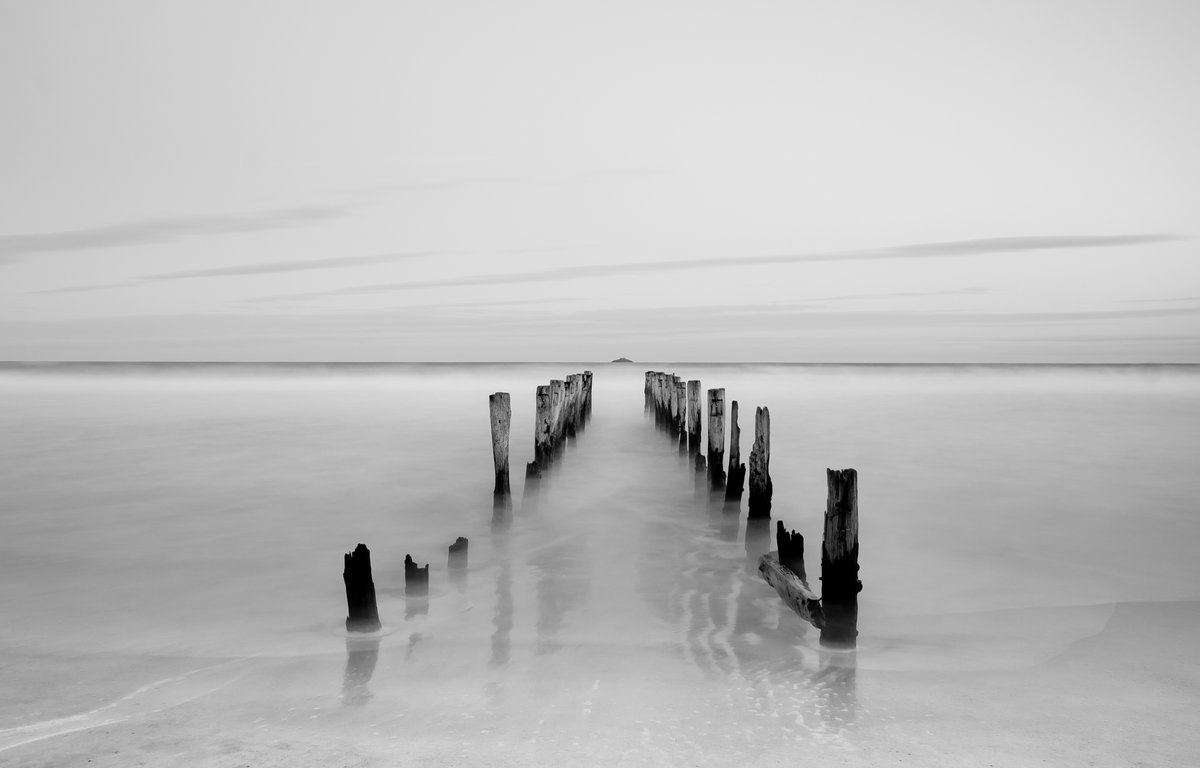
{"x": 173, "y": 535}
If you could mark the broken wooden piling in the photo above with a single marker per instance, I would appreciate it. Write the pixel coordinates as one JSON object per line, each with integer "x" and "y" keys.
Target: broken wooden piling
{"x": 760, "y": 466}
{"x": 457, "y": 557}
{"x": 362, "y": 612}
{"x": 716, "y": 439}
{"x": 783, "y": 569}
{"x": 416, "y": 578}
{"x": 839, "y": 560}
{"x": 695, "y": 410}
{"x": 794, "y": 591}
{"x": 737, "y": 470}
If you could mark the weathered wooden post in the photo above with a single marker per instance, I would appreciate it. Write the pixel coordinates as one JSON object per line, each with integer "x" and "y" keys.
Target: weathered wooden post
{"x": 362, "y": 612}
{"x": 577, "y": 415}
{"x": 646, "y": 392}
{"x": 457, "y": 557}
{"x": 695, "y": 410}
{"x": 416, "y": 578}
{"x": 587, "y": 396}
{"x": 737, "y": 470}
{"x": 501, "y": 412}
{"x": 542, "y": 438}
{"x": 716, "y": 439}
{"x": 673, "y": 409}
{"x": 661, "y": 395}
{"x": 681, "y": 419}
{"x": 558, "y": 393}
{"x": 839, "y": 560}
{"x": 569, "y": 399}
{"x": 760, "y": 466}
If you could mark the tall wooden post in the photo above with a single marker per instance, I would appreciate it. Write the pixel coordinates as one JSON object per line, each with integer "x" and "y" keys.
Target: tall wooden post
{"x": 362, "y": 612}
{"x": 695, "y": 416}
{"x": 569, "y": 399}
{"x": 737, "y": 470}
{"x": 587, "y": 395}
{"x": 541, "y": 427}
{"x": 716, "y": 439}
{"x": 646, "y": 391}
{"x": 760, "y": 466}
{"x": 839, "y": 560}
{"x": 501, "y": 410}
{"x": 681, "y": 426}
{"x": 557, "y": 395}
{"x": 672, "y": 406}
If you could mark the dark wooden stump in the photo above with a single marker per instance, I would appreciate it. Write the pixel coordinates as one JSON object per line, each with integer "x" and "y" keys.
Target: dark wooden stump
{"x": 716, "y": 439}
{"x": 790, "y": 545}
{"x": 839, "y": 560}
{"x": 458, "y": 554}
{"x": 416, "y": 578}
{"x": 760, "y": 466}
{"x": 362, "y": 612}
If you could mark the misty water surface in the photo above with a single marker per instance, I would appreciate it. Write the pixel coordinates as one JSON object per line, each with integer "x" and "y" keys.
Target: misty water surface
{"x": 187, "y": 524}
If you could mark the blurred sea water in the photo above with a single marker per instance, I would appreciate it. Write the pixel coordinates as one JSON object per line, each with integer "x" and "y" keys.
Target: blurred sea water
{"x": 171, "y": 537}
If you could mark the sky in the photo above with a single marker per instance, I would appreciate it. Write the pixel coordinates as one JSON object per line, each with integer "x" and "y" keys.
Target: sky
{"x": 666, "y": 181}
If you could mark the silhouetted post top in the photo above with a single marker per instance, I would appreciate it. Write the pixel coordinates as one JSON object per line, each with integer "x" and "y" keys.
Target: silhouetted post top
{"x": 791, "y": 549}
{"x": 362, "y": 612}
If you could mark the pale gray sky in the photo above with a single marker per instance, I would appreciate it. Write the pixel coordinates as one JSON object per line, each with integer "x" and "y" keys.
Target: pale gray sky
{"x": 807, "y": 181}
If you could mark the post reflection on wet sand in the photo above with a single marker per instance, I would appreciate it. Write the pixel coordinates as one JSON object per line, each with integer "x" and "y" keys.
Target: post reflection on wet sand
{"x": 836, "y": 680}
{"x": 503, "y": 621}
{"x": 362, "y": 653}
{"x": 758, "y": 539}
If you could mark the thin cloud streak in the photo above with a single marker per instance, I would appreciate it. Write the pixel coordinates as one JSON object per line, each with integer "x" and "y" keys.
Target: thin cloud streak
{"x": 915, "y": 251}
{"x": 149, "y": 231}
{"x": 275, "y": 267}
{"x": 267, "y": 268}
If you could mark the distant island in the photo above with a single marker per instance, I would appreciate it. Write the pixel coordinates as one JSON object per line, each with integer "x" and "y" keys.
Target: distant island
{"x": 622, "y": 360}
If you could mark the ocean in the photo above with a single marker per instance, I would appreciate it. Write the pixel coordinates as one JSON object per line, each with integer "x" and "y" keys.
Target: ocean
{"x": 172, "y": 539}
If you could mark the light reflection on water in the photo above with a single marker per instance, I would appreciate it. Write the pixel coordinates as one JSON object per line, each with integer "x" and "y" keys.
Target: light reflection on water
{"x": 206, "y": 514}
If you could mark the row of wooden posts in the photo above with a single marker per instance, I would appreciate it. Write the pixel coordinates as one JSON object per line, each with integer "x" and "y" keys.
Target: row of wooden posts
{"x": 562, "y": 409}
{"x": 677, "y": 409}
